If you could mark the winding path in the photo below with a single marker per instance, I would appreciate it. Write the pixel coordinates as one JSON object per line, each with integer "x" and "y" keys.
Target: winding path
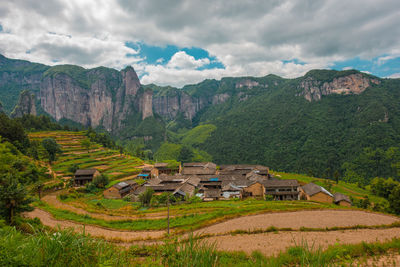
{"x": 96, "y": 231}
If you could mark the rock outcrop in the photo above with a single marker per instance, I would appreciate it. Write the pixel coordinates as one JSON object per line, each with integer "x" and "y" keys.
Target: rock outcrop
{"x": 313, "y": 89}
{"x": 106, "y": 101}
{"x": 26, "y": 105}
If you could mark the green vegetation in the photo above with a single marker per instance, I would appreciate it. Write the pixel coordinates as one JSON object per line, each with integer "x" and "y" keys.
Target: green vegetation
{"x": 188, "y": 216}
{"x": 52, "y": 148}
{"x": 16, "y": 174}
{"x": 109, "y": 161}
{"x": 65, "y": 248}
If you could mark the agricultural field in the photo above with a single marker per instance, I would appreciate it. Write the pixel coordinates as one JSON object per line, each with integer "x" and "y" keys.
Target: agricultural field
{"x": 107, "y": 161}
{"x": 250, "y": 230}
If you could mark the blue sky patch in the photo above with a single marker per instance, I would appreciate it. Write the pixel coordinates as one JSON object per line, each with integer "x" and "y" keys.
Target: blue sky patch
{"x": 1, "y": 28}
{"x": 162, "y": 55}
{"x": 376, "y": 66}
{"x": 295, "y": 61}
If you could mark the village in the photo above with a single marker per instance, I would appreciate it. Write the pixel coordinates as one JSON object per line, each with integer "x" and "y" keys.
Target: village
{"x": 210, "y": 182}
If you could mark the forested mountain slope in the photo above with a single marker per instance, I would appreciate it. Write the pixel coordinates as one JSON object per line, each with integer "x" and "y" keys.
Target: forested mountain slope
{"x": 323, "y": 123}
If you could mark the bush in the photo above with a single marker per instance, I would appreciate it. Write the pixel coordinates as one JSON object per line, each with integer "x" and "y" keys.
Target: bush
{"x": 269, "y": 197}
{"x": 100, "y": 181}
{"x": 146, "y": 196}
{"x": 63, "y": 196}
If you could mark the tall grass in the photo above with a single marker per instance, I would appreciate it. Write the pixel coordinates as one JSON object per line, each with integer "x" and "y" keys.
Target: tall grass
{"x": 194, "y": 253}
{"x": 62, "y": 248}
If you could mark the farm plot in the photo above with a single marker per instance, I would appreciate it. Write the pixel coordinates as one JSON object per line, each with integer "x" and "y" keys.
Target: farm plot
{"x": 107, "y": 161}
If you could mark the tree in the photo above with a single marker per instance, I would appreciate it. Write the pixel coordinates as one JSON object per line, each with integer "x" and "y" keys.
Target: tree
{"x": 38, "y": 188}
{"x": 86, "y": 144}
{"x": 145, "y": 197}
{"x": 185, "y": 155}
{"x": 394, "y": 200}
{"x": 101, "y": 181}
{"x": 73, "y": 168}
{"x": 13, "y": 198}
{"x": 52, "y": 148}
{"x": 336, "y": 176}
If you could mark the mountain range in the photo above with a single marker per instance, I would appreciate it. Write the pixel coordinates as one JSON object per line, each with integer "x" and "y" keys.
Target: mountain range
{"x": 313, "y": 123}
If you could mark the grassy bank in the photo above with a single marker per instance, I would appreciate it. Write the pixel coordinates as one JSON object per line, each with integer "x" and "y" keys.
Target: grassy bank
{"x": 65, "y": 248}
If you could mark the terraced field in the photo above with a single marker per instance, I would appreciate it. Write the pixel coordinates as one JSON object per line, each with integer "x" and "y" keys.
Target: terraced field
{"x": 107, "y": 161}
{"x": 246, "y": 225}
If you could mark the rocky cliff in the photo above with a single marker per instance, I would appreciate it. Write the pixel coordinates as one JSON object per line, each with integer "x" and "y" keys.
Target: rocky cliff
{"x": 313, "y": 89}
{"x": 97, "y": 97}
{"x": 26, "y": 105}
{"x": 111, "y": 99}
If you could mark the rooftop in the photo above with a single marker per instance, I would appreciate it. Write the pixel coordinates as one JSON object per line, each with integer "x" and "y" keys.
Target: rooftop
{"x": 312, "y": 189}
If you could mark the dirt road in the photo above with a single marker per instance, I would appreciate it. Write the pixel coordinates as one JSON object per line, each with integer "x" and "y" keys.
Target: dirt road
{"x": 295, "y": 220}
{"x": 112, "y": 235}
{"x": 272, "y": 243}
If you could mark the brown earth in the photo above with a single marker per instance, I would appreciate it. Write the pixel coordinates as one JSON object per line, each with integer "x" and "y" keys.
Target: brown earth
{"x": 272, "y": 243}
{"x": 295, "y": 220}
{"x": 95, "y": 231}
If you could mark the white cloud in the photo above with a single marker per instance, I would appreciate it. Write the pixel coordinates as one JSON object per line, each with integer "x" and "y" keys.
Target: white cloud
{"x": 394, "y": 76}
{"x": 365, "y": 71}
{"x": 347, "y": 68}
{"x": 181, "y": 60}
{"x": 248, "y": 37}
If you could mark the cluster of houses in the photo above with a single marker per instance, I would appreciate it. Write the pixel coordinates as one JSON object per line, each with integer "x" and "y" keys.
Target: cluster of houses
{"x": 208, "y": 182}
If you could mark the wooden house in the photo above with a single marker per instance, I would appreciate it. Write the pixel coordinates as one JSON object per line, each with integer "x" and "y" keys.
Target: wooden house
{"x": 211, "y": 188}
{"x": 342, "y": 200}
{"x": 230, "y": 190}
{"x": 199, "y": 168}
{"x": 315, "y": 192}
{"x": 254, "y": 189}
{"x": 119, "y": 190}
{"x": 83, "y": 177}
{"x": 164, "y": 168}
{"x": 185, "y": 190}
{"x": 145, "y": 173}
{"x": 282, "y": 189}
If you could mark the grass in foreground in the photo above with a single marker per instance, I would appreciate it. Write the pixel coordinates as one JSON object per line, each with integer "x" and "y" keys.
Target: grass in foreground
{"x": 65, "y": 248}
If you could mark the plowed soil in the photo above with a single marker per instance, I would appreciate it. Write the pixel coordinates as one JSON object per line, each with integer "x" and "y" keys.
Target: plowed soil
{"x": 272, "y": 243}
{"x": 298, "y": 219}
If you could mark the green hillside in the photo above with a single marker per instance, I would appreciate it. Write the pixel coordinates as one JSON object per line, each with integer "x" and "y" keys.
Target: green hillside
{"x": 107, "y": 161}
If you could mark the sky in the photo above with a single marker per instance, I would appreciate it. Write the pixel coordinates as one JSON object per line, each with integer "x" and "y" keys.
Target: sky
{"x": 180, "y": 42}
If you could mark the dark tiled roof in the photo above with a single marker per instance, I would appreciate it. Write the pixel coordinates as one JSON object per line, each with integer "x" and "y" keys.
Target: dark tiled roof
{"x": 312, "y": 189}
{"x": 280, "y": 183}
{"x": 231, "y": 187}
{"x": 341, "y": 197}
{"x": 164, "y": 187}
{"x": 121, "y": 185}
{"x": 198, "y": 164}
{"x": 85, "y": 172}
{"x": 140, "y": 190}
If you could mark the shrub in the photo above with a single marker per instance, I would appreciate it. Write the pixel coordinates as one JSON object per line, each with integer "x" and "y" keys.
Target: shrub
{"x": 63, "y": 196}
{"x": 101, "y": 181}
{"x": 145, "y": 197}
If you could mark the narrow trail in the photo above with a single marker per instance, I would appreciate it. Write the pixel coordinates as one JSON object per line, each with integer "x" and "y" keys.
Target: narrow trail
{"x": 95, "y": 231}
